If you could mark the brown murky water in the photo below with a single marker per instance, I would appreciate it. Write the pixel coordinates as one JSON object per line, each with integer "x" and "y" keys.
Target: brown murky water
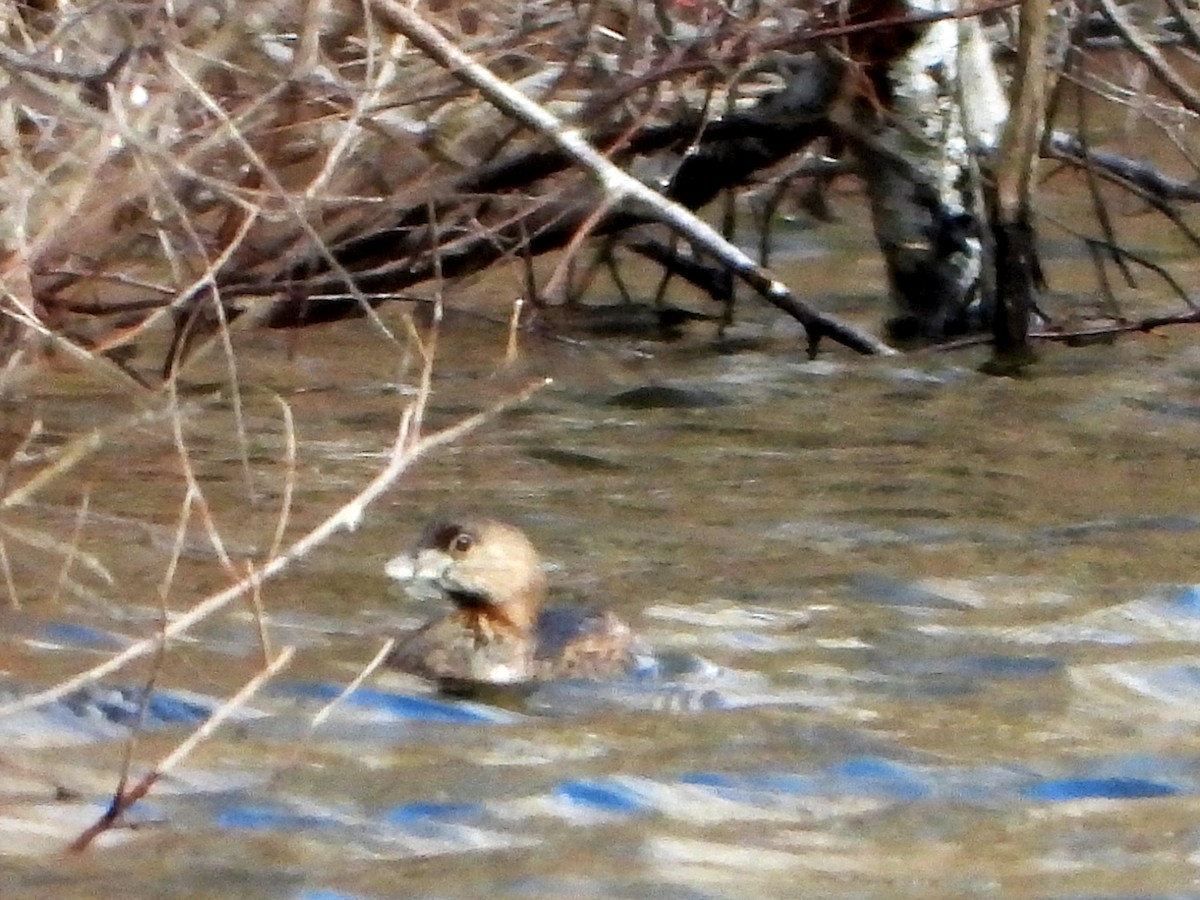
{"x": 921, "y": 632}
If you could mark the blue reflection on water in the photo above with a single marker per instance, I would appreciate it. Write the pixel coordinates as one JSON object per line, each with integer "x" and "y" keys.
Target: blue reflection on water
{"x": 398, "y": 706}
{"x": 860, "y": 776}
{"x": 265, "y": 817}
{"x": 82, "y": 636}
{"x": 882, "y": 777}
{"x": 123, "y": 706}
{"x": 1056, "y": 790}
{"x": 458, "y": 824}
{"x": 412, "y": 813}
{"x": 602, "y": 795}
{"x": 1187, "y": 600}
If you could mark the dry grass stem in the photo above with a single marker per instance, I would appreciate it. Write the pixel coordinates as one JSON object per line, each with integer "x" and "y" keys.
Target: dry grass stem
{"x": 182, "y": 523}
{"x": 46, "y": 543}
{"x": 10, "y": 583}
{"x": 195, "y": 492}
{"x": 64, "y": 572}
{"x": 326, "y": 711}
{"x": 235, "y": 393}
{"x": 228, "y": 708}
{"x": 367, "y": 671}
{"x": 260, "y": 619}
{"x": 289, "y": 477}
{"x": 135, "y": 731}
{"x": 67, "y": 459}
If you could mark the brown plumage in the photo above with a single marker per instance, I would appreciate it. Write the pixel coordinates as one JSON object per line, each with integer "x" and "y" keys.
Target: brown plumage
{"x": 498, "y": 631}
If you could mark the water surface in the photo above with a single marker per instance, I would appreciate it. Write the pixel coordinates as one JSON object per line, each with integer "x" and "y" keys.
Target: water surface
{"x": 920, "y": 632}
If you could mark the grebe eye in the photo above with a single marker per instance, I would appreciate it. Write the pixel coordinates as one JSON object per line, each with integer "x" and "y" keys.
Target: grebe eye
{"x": 462, "y": 543}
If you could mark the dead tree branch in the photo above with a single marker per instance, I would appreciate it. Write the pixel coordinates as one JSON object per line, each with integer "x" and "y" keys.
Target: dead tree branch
{"x": 620, "y": 188}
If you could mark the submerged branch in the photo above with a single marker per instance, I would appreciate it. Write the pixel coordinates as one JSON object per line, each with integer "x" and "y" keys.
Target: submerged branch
{"x": 1135, "y": 172}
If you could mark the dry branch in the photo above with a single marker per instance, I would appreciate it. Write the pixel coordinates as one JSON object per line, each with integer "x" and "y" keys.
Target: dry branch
{"x": 1184, "y": 92}
{"x": 124, "y": 798}
{"x": 620, "y": 188}
{"x": 326, "y": 153}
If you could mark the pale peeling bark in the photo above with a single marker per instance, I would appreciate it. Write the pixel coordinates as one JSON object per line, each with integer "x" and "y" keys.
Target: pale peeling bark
{"x": 940, "y": 107}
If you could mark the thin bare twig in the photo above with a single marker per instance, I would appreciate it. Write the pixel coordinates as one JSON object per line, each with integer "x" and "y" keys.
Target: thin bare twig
{"x": 76, "y": 451}
{"x": 325, "y": 711}
{"x": 260, "y": 620}
{"x": 10, "y": 583}
{"x": 195, "y": 492}
{"x": 289, "y": 479}
{"x": 1145, "y": 49}
{"x": 47, "y": 543}
{"x": 367, "y": 671}
{"x": 278, "y": 189}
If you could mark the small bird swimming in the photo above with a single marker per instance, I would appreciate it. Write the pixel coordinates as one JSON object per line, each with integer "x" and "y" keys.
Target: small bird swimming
{"x": 498, "y": 630}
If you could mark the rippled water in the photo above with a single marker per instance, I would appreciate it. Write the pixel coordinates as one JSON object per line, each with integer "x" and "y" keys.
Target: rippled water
{"x": 919, "y": 632}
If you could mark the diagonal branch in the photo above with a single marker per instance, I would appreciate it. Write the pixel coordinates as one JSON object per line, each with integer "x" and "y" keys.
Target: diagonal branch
{"x": 620, "y": 188}
{"x": 1144, "y": 48}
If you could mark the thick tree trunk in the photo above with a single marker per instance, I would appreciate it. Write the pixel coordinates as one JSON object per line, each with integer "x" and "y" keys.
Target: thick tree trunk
{"x": 934, "y": 105}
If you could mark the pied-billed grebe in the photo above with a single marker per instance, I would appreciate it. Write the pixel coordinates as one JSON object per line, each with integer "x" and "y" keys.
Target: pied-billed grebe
{"x": 498, "y": 631}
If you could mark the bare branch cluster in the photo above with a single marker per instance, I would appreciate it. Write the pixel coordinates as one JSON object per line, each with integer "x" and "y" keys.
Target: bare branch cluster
{"x": 229, "y": 158}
